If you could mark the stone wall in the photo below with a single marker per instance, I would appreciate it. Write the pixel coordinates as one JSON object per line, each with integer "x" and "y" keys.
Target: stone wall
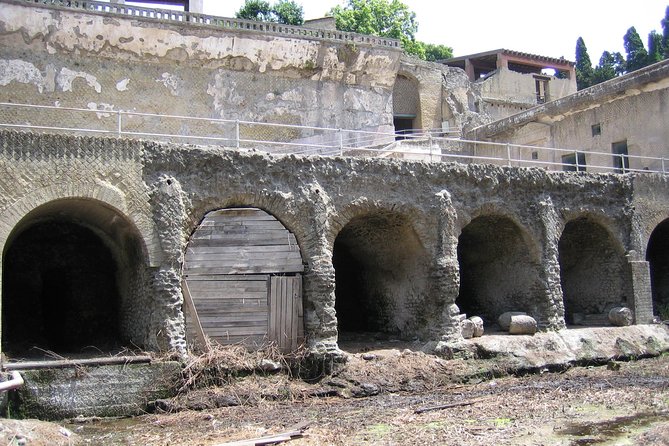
{"x": 105, "y": 61}
{"x": 163, "y": 191}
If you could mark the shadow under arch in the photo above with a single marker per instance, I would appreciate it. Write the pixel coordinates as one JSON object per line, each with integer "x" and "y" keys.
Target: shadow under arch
{"x": 74, "y": 276}
{"x": 381, "y": 278}
{"x": 499, "y": 269}
{"x": 657, "y": 255}
{"x": 594, "y": 272}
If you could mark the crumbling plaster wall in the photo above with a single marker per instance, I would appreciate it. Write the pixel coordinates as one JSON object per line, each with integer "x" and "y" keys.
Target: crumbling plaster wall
{"x": 57, "y": 56}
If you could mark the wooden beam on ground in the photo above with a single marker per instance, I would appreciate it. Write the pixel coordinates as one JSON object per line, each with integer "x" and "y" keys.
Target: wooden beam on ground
{"x": 65, "y": 363}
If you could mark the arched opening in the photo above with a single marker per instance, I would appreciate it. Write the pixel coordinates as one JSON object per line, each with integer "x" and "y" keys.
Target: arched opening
{"x": 243, "y": 271}
{"x": 594, "y": 273}
{"x": 497, "y": 271}
{"x": 72, "y": 274}
{"x": 406, "y": 105}
{"x": 380, "y": 278}
{"x": 657, "y": 255}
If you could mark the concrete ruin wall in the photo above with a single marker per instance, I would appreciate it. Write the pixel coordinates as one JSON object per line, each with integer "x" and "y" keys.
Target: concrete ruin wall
{"x": 104, "y": 61}
{"x": 162, "y": 192}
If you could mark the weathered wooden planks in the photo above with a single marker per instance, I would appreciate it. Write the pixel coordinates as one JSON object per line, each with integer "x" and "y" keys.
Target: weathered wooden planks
{"x": 230, "y": 267}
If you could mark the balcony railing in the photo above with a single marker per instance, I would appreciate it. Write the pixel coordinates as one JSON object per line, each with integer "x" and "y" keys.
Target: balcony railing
{"x": 225, "y": 23}
{"x": 283, "y": 139}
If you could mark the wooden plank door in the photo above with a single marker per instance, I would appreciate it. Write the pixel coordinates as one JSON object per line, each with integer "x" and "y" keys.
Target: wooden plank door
{"x": 286, "y": 328}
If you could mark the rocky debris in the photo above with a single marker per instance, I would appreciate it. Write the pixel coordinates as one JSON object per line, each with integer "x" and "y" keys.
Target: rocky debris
{"x": 478, "y": 326}
{"x": 364, "y": 390}
{"x": 472, "y": 327}
{"x": 368, "y": 356}
{"x": 522, "y": 324}
{"x": 269, "y": 366}
{"x": 504, "y": 320}
{"x": 621, "y": 316}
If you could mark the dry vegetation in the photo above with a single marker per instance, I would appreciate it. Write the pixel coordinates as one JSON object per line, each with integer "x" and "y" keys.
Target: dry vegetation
{"x": 374, "y": 399}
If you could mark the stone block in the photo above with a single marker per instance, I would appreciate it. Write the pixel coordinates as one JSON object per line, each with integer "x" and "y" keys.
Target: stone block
{"x": 621, "y": 316}
{"x": 467, "y": 328}
{"x": 504, "y": 320}
{"x": 478, "y": 326}
{"x": 522, "y": 324}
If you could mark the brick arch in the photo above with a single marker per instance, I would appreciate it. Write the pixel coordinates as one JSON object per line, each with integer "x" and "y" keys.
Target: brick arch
{"x": 382, "y": 271}
{"x": 595, "y": 274}
{"x": 612, "y": 228}
{"x": 500, "y": 265}
{"x": 102, "y": 192}
{"x": 415, "y": 217}
{"x": 496, "y": 210}
{"x": 274, "y": 203}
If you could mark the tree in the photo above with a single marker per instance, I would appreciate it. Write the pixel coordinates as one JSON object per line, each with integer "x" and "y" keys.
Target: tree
{"x": 637, "y": 56}
{"x": 655, "y": 48}
{"x": 584, "y": 71}
{"x": 385, "y": 18}
{"x": 665, "y": 33}
{"x": 288, "y": 12}
{"x": 435, "y": 52}
{"x": 610, "y": 66}
{"x": 284, "y": 11}
{"x": 258, "y": 10}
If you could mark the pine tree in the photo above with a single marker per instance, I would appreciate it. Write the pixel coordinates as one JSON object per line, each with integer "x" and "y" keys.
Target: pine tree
{"x": 665, "y": 33}
{"x": 584, "y": 71}
{"x": 655, "y": 48}
{"x": 637, "y": 56}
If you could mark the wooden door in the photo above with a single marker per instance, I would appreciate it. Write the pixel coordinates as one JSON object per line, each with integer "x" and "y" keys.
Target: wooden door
{"x": 285, "y": 312}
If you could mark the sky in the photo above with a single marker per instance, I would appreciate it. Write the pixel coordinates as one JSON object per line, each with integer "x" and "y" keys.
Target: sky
{"x": 543, "y": 28}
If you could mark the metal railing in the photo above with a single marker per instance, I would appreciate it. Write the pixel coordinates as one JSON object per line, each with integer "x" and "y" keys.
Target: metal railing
{"x": 226, "y": 23}
{"x": 429, "y": 146}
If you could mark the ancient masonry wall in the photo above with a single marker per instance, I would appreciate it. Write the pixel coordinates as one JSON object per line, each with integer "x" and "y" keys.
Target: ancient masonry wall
{"x": 107, "y": 62}
{"x": 163, "y": 191}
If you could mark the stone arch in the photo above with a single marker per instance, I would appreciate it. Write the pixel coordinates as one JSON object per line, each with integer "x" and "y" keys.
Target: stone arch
{"x": 594, "y": 272}
{"x": 381, "y": 274}
{"x": 100, "y": 191}
{"x": 657, "y": 256}
{"x": 499, "y": 268}
{"x": 282, "y": 206}
{"x": 79, "y": 266}
{"x": 406, "y": 103}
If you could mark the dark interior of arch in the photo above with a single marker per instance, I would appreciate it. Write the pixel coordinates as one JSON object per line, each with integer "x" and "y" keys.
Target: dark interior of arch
{"x": 657, "y": 255}
{"x": 497, "y": 273}
{"x": 71, "y": 269}
{"x": 593, "y": 272}
{"x": 380, "y": 277}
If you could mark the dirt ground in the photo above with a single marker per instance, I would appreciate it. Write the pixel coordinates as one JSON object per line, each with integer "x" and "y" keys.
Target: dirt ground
{"x": 390, "y": 397}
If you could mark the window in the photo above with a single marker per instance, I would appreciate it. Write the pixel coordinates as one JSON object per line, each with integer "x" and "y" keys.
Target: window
{"x": 541, "y": 85}
{"x": 570, "y": 164}
{"x": 621, "y": 161}
{"x": 596, "y": 129}
{"x": 535, "y": 155}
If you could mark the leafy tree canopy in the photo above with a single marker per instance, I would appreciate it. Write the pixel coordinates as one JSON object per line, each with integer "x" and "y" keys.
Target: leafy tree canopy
{"x": 387, "y": 18}
{"x": 284, "y": 11}
{"x": 655, "y": 48}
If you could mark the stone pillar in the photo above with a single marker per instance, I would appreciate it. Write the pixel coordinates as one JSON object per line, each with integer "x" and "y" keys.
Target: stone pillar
{"x": 551, "y": 304}
{"x": 469, "y": 69}
{"x": 168, "y": 328}
{"x": 445, "y": 272}
{"x": 502, "y": 61}
{"x": 641, "y": 292}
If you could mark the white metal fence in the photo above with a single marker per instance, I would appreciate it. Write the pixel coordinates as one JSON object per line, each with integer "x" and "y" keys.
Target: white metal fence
{"x": 431, "y": 146}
